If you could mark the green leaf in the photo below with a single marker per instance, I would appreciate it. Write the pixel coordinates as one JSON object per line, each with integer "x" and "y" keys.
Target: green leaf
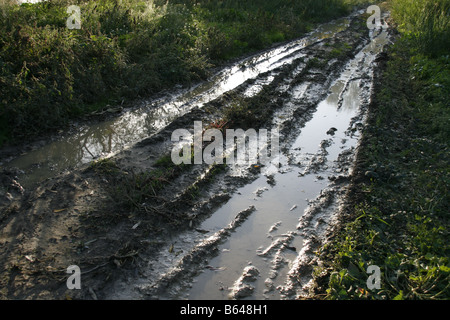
{"x": 444, "y": 268}
{"x": 399, "y": 296}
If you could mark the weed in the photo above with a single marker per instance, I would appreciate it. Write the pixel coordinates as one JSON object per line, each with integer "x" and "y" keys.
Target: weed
{"x": 340, "y": 50}
{"x": 104, "y": 166}
{"x": 425, "y": 23}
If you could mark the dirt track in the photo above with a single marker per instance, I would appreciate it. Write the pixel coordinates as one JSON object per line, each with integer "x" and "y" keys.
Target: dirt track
{"x": 75, "y": 218}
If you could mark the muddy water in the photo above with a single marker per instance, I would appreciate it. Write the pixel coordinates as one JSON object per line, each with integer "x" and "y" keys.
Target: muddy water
{"x": 270, "y": 240}
{"x": 251, "y": 246}
{"x": 278, "y": 210}
{"x": 255, "y": 259}
{"x": 106, "y": 138}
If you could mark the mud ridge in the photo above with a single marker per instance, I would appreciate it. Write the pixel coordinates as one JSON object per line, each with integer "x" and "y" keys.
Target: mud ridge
{"x": 191, "y": 262}
{"x": 73, "y": 218}
{"x": 334, "y": 201}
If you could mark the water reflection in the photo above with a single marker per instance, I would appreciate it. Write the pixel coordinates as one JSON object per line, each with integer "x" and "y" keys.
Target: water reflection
{"x": 294, "y": 186}
{"x": 98, "y": 140}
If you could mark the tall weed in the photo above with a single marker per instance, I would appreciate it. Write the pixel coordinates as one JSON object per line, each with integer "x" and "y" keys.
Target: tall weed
{"x": 425, "y": 22}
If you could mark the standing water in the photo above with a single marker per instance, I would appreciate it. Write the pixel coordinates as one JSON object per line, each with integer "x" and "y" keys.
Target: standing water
{"x": 252, "y": 246}
{"x": 109, "y": 137}
{"x": 270, "y": 240}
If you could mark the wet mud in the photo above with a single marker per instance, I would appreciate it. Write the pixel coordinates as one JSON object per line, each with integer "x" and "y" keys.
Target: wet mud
{"x": 208, "y": 231}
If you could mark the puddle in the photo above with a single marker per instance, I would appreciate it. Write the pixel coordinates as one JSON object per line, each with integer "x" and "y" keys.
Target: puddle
{"x": 254, "y": 244}
{"x": 256, "y": 259}
{"x": 111, "y": 136}
{"x": 275, "y": 218}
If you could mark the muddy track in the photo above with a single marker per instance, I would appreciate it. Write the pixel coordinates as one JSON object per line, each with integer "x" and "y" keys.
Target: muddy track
{"x": 158, "y": 248}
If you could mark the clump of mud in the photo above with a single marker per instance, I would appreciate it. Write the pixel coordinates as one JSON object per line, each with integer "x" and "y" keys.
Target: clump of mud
{"x": 243, "y": 287}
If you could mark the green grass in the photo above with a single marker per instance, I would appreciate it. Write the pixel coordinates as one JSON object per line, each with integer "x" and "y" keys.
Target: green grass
{"x": 425, "y": 23}
{"x": 50, "y": 74}
{"x": 399, "y": 221}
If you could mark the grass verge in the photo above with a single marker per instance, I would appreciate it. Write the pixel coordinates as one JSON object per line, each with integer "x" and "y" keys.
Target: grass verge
{"x": 397, "y": 217}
